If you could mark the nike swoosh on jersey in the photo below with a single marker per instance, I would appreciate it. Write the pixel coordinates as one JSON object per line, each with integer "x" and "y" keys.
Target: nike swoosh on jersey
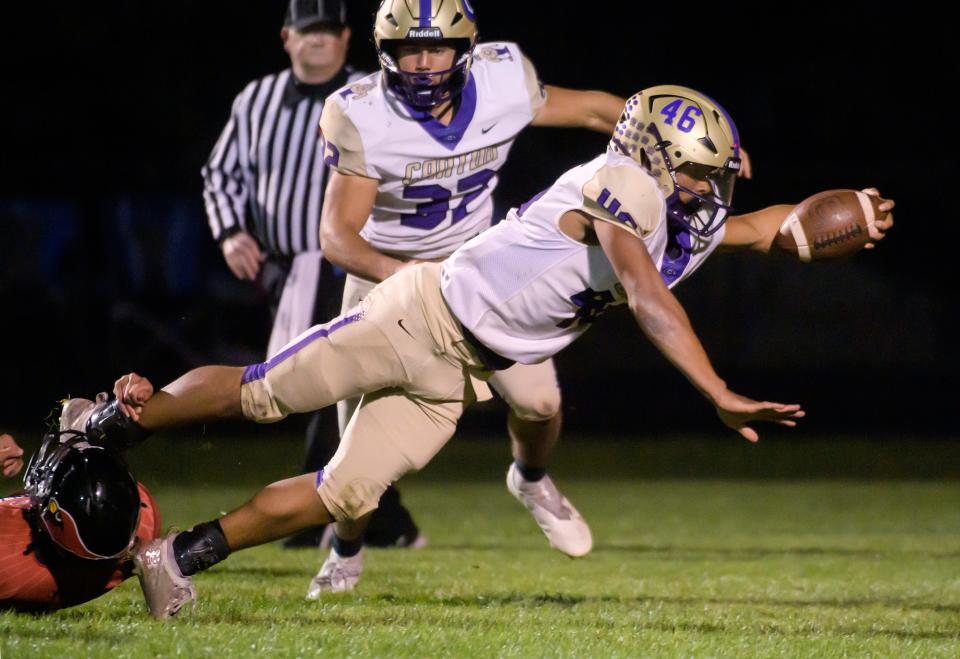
{"x": 488, "y": 128}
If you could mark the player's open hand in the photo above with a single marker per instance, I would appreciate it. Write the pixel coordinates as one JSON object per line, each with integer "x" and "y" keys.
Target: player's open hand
{"x": 737, "y": 411}
{"x": 132, "y": 391}
{"x": 883, "y": 223}
{"x": 11, "y": 456}
{"x": 243, "y": 255}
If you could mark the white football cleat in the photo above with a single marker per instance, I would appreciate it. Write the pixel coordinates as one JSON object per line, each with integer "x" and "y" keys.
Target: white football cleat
{"x": 165, "y": 588}
{"x": 77, "y": 411}
{"x": 337, "y": 575}
{"x": 561, "y": 523}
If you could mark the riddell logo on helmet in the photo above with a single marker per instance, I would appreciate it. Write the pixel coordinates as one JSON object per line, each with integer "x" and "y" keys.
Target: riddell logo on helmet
{"x": 425, "y": 33}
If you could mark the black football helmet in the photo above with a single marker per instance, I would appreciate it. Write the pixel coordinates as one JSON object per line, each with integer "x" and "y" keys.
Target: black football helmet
{"x": 86, "y": 501}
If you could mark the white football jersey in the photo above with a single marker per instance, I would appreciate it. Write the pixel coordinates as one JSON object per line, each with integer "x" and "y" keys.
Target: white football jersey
{"x": 526, "y": 290}
{"x": 435, "y": 181}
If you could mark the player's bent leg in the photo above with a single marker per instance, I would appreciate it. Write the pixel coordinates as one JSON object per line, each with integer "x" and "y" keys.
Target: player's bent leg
{"x": 391, "y": 524}
{"x": 275, "y": 512}
{"x": 165, "y": 566}
{"x": 391, "y": 434}
{"x": 346, "y": 357}
{"x": 533, "y": 424}
{"x": 341, "y": 570}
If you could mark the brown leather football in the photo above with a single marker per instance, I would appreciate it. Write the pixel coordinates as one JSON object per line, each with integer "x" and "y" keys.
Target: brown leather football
{"x": 829, "y": 225}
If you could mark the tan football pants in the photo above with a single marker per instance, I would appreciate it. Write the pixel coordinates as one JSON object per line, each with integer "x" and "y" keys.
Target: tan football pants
{"x": 531, "y": 390}
{"x": 401, "y": 349}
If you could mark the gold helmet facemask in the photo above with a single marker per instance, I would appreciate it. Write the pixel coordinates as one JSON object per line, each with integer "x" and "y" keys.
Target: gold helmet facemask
{"x": 426, "y": 22}
{"x": 672, "y": 130}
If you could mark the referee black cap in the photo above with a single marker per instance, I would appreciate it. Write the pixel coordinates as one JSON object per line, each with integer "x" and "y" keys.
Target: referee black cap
{"x": 304, "y": 13}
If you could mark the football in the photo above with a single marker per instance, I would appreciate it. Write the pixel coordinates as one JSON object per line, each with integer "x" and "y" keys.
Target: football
{"x": 829, "y": 225}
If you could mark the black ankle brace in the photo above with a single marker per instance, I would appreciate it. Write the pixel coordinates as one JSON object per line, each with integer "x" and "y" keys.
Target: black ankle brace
{"x": 346, "y": 548}
{"x": 110, "y": 427}
{"x": 200, "y": 548}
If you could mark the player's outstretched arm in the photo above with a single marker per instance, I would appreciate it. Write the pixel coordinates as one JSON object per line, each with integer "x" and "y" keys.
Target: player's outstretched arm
{"x": 205, "y": 394}
{"x": 666, "y": 324}
{"x": 758, "y": 231}
{"x": 11, "y": 456}
{"x": 347, "y": 203}
{"x": 571, "y": 108}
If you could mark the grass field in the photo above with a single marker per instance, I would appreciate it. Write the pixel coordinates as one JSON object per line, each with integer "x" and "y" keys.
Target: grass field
{"x": 703, "y": 548}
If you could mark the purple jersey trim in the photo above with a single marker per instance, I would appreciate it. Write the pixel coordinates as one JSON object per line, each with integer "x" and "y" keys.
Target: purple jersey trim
{"x": 426, "y": 12}
{"x": 320, "y": 475}
{"x": 259, "y": 371}
{"x": 527, "y": 204}
{"x": 449, "y": 136}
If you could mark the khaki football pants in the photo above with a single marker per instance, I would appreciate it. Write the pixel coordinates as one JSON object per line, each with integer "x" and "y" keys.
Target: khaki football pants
{"x": 531, "y": 390}
{"x": 404, "y": 352}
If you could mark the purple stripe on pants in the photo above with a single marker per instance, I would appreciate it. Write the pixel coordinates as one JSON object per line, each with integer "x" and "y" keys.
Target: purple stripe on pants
{"x": 259, "y": 371}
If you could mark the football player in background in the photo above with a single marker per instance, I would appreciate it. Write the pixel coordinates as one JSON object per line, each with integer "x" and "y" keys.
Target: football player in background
{"x": 69, "y": 537}
{"x": 414, "y": 152}
{"x": 621, "y": 229}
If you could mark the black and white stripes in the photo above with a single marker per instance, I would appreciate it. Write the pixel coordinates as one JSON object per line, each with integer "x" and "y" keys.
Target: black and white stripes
{"x": 266, "y": 174}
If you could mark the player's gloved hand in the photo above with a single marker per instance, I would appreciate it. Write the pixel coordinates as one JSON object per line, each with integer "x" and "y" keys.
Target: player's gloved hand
{"x": 746, "y": 167}
{"x": 737, "y": 411}
{"x": 884, "y": 223}
{"x": 243, "y": 255}
{"x": 132, "y": 391}
{"x": 11, "y": 456}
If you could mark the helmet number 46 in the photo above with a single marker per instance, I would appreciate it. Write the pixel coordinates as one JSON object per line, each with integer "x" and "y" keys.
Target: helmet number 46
{"x": 688, "y": 119}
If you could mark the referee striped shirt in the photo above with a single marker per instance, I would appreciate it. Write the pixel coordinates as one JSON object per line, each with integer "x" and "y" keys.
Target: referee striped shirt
{"x": 266, "y": 175}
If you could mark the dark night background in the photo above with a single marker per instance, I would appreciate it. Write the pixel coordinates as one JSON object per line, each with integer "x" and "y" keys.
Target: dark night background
{"x": 110, "y": 109}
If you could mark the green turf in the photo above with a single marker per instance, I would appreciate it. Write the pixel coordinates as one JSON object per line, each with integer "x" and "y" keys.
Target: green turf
{"x": 730, "y": 566}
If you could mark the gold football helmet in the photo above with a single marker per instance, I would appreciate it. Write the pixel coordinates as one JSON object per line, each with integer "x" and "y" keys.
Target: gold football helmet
{"x": 425, "y": 21}
{"x": 672, "y": 129}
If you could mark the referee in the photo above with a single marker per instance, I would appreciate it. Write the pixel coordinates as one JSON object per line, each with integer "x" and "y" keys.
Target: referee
{"x": 263, "y": 192}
